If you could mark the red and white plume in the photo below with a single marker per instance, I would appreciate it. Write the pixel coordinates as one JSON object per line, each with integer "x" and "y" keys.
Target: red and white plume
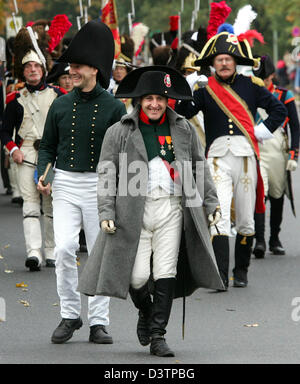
{"x": 242, "y": 23}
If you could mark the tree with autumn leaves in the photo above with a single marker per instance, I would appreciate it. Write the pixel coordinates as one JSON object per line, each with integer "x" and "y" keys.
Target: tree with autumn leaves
{"x": 280, "y": 15}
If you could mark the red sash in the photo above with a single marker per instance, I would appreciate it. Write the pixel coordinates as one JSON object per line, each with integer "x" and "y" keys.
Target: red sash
{"x": 237, "y": 110}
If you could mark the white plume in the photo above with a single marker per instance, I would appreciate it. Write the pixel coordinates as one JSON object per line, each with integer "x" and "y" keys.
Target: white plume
{"x": 244, "y": 19}
{"x": 139, "y": 31}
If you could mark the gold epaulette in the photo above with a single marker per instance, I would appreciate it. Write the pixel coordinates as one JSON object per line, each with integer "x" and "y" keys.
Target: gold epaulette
{"x": 257, "y": 81}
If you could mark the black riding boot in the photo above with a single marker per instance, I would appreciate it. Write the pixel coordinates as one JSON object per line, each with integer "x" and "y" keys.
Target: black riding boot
{"x": 221, "y": 250}
{"x": 142, "y": 300}
{"x": 161, "y": 309}
{"x": 275, "y": 222}
{"x": 242, "y": 255}
{"x": 260, "y": 245}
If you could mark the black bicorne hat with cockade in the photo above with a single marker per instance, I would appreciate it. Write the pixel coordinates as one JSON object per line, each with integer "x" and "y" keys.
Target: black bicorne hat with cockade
{"x": 154, "y": 80}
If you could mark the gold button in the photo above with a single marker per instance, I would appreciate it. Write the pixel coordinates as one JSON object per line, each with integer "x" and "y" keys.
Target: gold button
{"x": 72, "y": 158}
{"x": 229, "y": 120}
{"x": 72, "y": 144}
{"x": 231, "y": 132}
{"x": 73, "y": 124}
{"x": 72, "y": 150}
{"x": 230, "y": 126}
{"x": 96, "y": 105}
{"x": 92, "y": 146}
{"x": 92, "y": 138}
{"x": 92, "y": 153}
{"x": 92, "y": 166}
{"x": 92, "y": 159}
{"x": 94, "y": 118}
{"x": 73, "y": 130}
{"x": 74, "y": 117}
{"x": 74, "y": 110}
{"x": 71, "y": 165}
{"x": 93, "y": 132}
{"x": 72, "y": 137}
{"x": 93, "y": 125}
{"x": 95, "y": 111}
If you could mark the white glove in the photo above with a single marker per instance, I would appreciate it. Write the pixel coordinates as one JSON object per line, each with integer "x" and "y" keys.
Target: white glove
{"x": 194, "y": 79}
{"x": 262, "y": 133}
{"x": 214, "y": 218}
{"x": 291, "y": 165}
{"x": 108, "y": 226}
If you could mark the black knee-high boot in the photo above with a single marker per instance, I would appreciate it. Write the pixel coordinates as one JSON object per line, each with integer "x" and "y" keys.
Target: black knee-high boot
{"x": 242, "y": 255}
{"x": 221, "y": 250}
{"x": 260, "y": 245}
{"x": 161, "y": 309}
{"x": 275, "y": 222}
{"x": 142, "y": 300}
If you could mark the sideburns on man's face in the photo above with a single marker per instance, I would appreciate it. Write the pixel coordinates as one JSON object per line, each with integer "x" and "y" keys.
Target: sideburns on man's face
{"x": 154, "y": 106}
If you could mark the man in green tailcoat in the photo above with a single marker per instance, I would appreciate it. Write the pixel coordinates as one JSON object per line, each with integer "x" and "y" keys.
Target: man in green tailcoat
{"x": 72, "y": 140}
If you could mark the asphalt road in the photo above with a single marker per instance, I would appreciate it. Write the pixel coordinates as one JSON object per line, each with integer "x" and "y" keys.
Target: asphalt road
{"x": 256, "y": 325}
{"x": 259, "y": 324}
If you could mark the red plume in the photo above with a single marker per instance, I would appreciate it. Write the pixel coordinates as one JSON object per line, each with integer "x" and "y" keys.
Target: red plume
{"x": 218, "y": 14}
{"x": 250, "y": 35}
{"x": 58, "y": 28}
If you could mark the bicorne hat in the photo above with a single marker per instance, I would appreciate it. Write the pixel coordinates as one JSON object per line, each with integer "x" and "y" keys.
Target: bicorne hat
{"x": 265, "y": 68}
{"x": 93, "y": 45}
{"x": 225, "y": 43}
{"x": 154, "y": 80}
{"x": 58, "y": 70}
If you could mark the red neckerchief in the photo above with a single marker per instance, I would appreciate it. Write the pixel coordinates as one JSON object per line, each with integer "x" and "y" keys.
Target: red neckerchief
{"x": 145, "y": 119}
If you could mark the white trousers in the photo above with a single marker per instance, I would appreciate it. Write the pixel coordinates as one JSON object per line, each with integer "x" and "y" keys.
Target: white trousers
{"x": 32, "y": 213}
{"x": 75, "y": 206}
{"x": 273, "y": 159}
{"x": 161, "y": 235}
{"x": 235, "y": 177}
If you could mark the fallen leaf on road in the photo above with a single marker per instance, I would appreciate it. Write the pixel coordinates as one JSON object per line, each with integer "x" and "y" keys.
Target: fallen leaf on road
{"x": 251, "y": 325}
{"x": 55, "y": 304}
{"x": 8, "y": 271}
{"x": 6, "y": 246}
{"x": 21, "y": 285}
{"x": 25, "y": 303}
{"x": 230, "y": 310}
{"x": 1, "y": 257}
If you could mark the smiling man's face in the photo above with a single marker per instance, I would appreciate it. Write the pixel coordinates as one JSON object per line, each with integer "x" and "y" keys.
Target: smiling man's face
{"x": 154, "y": 106}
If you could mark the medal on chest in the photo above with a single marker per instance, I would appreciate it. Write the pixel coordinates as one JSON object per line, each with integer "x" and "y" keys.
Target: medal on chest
{"x": 162, "y": 140}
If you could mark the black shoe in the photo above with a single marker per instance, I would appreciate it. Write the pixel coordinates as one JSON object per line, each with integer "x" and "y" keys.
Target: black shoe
{"x": 99, "y": 335}
{"x": 33, "y": 264}
{"x": 160, "y": 348}
{"x": 65, "y": 330}
{"x": 240, "y": 283}
{"x": 259, "y": 249}
{"x": 142, "y": 330}
{"x": 276, "y": 247}
{"x": 17, "y": 200}
{"x": 50, "y": 263}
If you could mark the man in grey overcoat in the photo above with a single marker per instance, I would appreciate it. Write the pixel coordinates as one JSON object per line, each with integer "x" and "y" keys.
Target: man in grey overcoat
{"x": 156, "y": 200}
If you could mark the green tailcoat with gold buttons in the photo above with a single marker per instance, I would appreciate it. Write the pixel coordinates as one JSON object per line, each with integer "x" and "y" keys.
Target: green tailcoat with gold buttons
{"x": 75, "y": 127}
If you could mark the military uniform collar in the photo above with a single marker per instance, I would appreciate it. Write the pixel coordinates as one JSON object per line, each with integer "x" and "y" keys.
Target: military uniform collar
{"x": 87, "y": 96}
{"x": 33, "y": 88}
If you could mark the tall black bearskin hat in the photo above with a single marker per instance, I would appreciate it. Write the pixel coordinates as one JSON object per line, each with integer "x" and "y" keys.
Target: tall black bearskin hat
{"x": 154, "y": 80}
{"x": 31, "y": 44}
{"x": 93, "y": 45}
